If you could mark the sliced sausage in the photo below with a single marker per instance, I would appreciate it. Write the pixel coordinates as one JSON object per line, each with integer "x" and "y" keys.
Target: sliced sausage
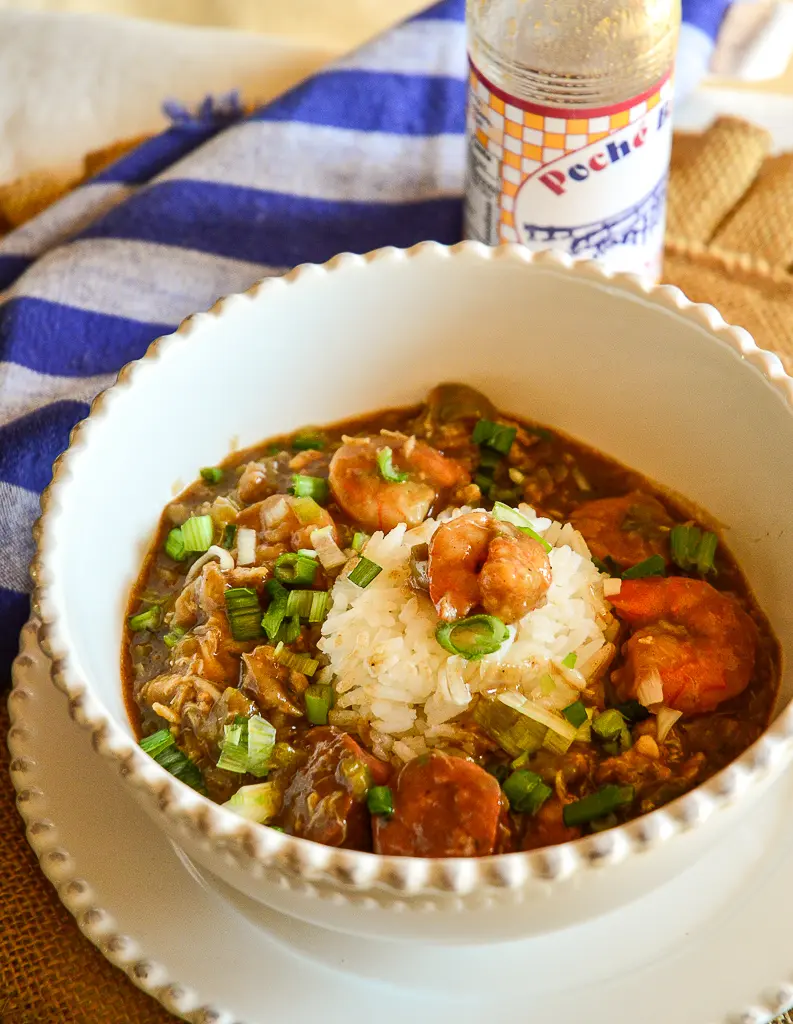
{"x": 443, "y": 807}
{"x": 326, "y": 798}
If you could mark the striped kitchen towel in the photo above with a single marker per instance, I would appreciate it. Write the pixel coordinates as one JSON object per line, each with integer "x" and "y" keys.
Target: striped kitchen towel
{"x": 369, "y": 152}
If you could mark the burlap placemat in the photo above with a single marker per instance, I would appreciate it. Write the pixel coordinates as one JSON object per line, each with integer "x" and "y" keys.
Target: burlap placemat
{"x": 730, "y": 243}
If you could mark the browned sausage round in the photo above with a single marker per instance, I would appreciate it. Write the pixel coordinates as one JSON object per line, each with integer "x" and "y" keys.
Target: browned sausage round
{"x": 326, "y": 799}
{"x": 443, "y": 807}
{"x": 628, "y": 529}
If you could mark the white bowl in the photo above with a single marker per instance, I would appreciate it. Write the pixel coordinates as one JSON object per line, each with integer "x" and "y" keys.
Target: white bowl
{"x": 637, "y": 371}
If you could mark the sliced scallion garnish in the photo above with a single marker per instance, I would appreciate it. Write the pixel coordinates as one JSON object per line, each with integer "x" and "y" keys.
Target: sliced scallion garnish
{"x": 608, "y": 724}
{"x": 289, "y": 631}
{"x": 174, "y": 545}
{"x": 494, "y": 435}
{"x": 489, "y": 459}
{"x": 526, "y": 791}
{"x": 364, "y": 572}
{"x": 307, "y": 510}
{"x": 149, "y": 619}
{"x": 359, "y": 541}
{"x": 655, "y": 565}
{"x": 299, "y": 603}
{"x": 309, "y": 442}
{"x": 597, "y": 805}
{"x": 380, "y": 800}
{"x": 569, "y": 660}
{"x": 472, "y": 638}
{"x": 172, "y": 639}
{"x": 319, "y": 701}
{"x": 276, "y": 611}
{"x": 244, "y": 613}
{"x": 707, "y": 553}
{"x": 319, "y": 606}
{"x": 261, "y": 743}
{"x": 386, "y": 466}
{"x": 259, "y": 802}
{"x": 295, "y": 569}
{"x": 234, "y": 748}
{"x": 229, "y": 536}
{"x": 575, "y": 713}
{"x": 173, "y": 760}
{"x": 212, "y": 474}
{"x": 304, "y": 486}
{"x": 197, "y": 533}
{"x": 505, "y": 514}
{"x": 299, "y": 662}
{"x": 157, "y": 742}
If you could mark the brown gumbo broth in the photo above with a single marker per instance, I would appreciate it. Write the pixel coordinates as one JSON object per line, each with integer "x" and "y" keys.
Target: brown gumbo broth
{"x": 227, "y": 687}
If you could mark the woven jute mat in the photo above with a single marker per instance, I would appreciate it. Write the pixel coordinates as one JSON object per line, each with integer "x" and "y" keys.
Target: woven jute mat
{"x": 730, "y": 243}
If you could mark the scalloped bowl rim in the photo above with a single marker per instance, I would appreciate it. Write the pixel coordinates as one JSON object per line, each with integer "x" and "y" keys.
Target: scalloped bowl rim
{"x": 353, "y": 869}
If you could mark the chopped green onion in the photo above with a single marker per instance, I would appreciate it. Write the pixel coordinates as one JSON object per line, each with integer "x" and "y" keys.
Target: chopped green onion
{"x": 295, "y": 569}
{"x": 505, "y": 514}
{"x": 547, "y": 684}
{"x": 472, "y": 638}
{"x": 308, "y": 553}
{"x": 259, "y": 802}
{"x": 655, "y": 565}
{"x": 244, "y": 613}
{"x": 319, "y": 606}
{"x": 172, "y": 759}
{"x": 229, "y": 536}
{"x": 357, "y": 774}
{"x": 494, "y": 435}
{"x": 172, "y": 639}
{"x": 386, "y": 466}
{"x": 526, "y": 791}
{"x": 308, "y": 443}
{"x": 319, "y": 701}
{"x": 289, "y": 631}
{"x": 514, "y": 733}
{"x": 148, "y": 619}
{"x": 597, "y": 805}
{"x": 157, "y": 742}
{"x": 499, "y": 771}
{"x": 261, "y": 744}
{"x": 484, "y": 483}
{"x": 212, "y": 474}
{"x": 234, "y": 748}
{"x": 706, "y": 553}
{"x": 359, "y": 541}
{"x": 521, "y": 761}
{"x": 197, "y": 533}
{"x": 575, "y": 713}
{"x": 276, "y": 611}
{"x": 608, "y": 724}
{"x": 300, "y": 603}
{"x": 684, "y": 542}
{"x": 364, "y": 572}
{"x": 633, "y": 711}
{"x": 489, "y": 460}
{"x": 380, "y": 800}
{"x": 174, "y": 545}
{"x": 307, "y": 511}
{"x": 298, "y": 662}
{"x": 309, "y": 487}
{"x": 570, "y": 660}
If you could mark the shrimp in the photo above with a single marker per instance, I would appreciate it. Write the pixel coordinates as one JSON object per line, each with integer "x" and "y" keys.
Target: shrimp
{"x": 628, "y": 529}
{"x": 699, "y": 640}
{"x": 378, "y": 504}
{"x": 477, "y": 560}
{"x": 276, "y": 521}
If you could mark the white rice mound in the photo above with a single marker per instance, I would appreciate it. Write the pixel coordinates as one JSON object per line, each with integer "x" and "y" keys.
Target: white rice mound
{"x": 390, "y": 669}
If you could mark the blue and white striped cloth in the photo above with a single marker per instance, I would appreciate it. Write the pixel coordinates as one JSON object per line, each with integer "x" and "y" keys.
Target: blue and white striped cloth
{"x": 369, "y": 152}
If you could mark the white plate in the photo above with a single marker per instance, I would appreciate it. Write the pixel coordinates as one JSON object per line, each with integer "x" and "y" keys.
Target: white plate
{"x": 712, "y": 947}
